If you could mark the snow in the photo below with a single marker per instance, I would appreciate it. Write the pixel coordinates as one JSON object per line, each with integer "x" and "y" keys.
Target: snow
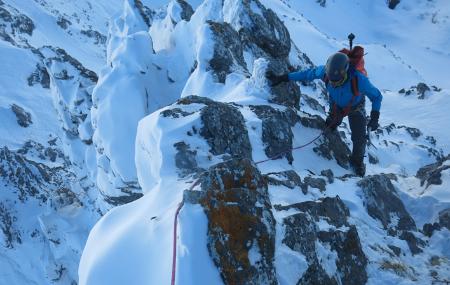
{"x": 144, "y": 70}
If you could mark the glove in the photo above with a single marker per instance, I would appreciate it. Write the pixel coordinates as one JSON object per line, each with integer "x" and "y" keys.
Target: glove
{"x": 373, "y": 123}
{"x": 332, "y": 122}
{"x": 276, "y": 79}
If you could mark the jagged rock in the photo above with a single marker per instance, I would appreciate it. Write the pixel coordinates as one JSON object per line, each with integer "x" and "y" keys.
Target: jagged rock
{"x": 412, "y": 241}
{"x": 318, "y": 183}
{"x": 228, "y": 53}
{"x": 393, "y": 3}
{"x": 332, "y": 145}
{"x": 123, "y": 199}
{"x": 422, "y": 88}
{"x": 328, "y": 173}
{"x": 40, "y": 75}
{"x": 23, "y": 117}
{"x": 239, "y": 222}
{"x": 444, "y": 218}
{"x": 431, "y": 174}
{"x": 11, "y": 234}
{"x": 415, "y": 133}
{"x": 224, "y": 129}
{"x": 428, "y": 228}
{"x": 286, "y": 93}
{"x": 185, "y": 158}
{"x": 302, "y": 235}
{"x": 332, "y": 209}
{"x": 145, "y": 12}
{"x": 277, "y": 133}
{"x": 63, "y": 22}
{"x": 383, "y": 204}
{"x": 288, "y": 178}
{"x": 175, "y": 113}
{"x": 395, "y": 249}
{"x": 351, "y": 261}
{"x": 29, "y": 178}
{"x": 186, "y": 10}
{"x": 99, "y": 38}
{"x": 60, "y": 55}
{"x": 262, "y": 27}
{"x": 322, "y": 2}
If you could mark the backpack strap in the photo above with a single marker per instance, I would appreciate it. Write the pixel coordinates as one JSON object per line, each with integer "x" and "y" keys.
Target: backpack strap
{"x": 355, "y": 93}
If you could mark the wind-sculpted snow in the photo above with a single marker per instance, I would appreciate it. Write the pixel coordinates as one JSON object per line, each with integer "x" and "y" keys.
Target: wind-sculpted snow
{"x": 144, "y": 103}
{"x": 199, "y": 110}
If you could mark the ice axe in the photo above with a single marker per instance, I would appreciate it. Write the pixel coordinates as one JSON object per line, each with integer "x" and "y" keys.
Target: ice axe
{"x": 369, "y": 141}
{"x": 351, "y": 37}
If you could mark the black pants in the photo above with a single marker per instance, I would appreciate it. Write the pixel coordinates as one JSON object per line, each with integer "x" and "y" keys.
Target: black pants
{"x": 358, "y": 126}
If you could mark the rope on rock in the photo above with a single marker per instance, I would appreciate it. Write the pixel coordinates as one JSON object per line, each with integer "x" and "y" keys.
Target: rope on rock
{"x": 175, "y": 222}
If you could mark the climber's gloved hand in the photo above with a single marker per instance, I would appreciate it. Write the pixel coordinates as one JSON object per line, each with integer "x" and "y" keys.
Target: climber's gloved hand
{"x": 332, "y": 122}
{"x": 274, "y": 79}
{"x": 373, "y": 123}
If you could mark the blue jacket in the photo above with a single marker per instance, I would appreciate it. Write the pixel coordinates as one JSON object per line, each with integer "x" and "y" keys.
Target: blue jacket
{"x": 343, "y": 94}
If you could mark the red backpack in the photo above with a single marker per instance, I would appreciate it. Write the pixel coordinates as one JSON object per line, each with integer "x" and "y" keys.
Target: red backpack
{"x": 356, "y": 57}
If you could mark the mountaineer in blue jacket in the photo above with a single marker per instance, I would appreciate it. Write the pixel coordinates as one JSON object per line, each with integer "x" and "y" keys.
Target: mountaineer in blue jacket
{"x": 345, "y": 86}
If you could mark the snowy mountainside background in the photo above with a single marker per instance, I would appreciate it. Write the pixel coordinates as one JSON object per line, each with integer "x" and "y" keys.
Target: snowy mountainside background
{"x": 108, "y": 102}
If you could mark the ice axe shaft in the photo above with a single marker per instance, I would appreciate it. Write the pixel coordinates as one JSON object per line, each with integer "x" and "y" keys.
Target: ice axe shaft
{"x": 351, "y": 37}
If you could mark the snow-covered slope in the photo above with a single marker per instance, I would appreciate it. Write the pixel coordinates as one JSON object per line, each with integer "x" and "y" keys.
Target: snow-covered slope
{"x": 300, "y": 218}
{"x": 113, "y": 112}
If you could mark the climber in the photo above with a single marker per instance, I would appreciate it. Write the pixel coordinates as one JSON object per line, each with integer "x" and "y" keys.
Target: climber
{"x": 344, "y": 83}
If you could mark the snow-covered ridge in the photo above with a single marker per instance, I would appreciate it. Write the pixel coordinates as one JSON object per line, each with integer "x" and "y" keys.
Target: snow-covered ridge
{"x": 244, "y": 221}
{"x": 106, "y": 102}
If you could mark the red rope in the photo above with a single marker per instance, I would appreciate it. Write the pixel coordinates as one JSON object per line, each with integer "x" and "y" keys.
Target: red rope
{"x": 175, "y": 222}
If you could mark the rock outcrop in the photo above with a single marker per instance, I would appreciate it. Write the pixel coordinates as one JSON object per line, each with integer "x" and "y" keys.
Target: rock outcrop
{"x": 304, "y": 235}
{"x": 241, "y": 227}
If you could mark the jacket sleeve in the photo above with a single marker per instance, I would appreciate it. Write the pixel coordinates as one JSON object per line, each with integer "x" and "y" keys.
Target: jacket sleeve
{"x": 308, "y": 74}
{"x": 370, "y": 91}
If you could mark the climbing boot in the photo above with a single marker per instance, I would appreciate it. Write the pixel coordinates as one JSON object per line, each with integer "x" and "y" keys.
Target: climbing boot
{"x": 358, "y": 167}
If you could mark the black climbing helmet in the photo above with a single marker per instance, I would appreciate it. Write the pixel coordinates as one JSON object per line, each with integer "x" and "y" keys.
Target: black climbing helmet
{"x": 337, "y": 66}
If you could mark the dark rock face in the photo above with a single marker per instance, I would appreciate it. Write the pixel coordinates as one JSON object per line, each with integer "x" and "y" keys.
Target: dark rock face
{"x": 41, "y": 76}
{"x": 11, "y": 234}
{"x": 302, "y": 234}
{"x": 277, "y": 133}
{"x": 331, "y": 145}
{"x": 288, "y": 178}
{"x": 237, "y": 204}
{"x": 62, "y": 56}
{"x": 318, "y": 183}
{"x": 228, "y": 52}
{"x": 23, "y": 117}
{"x": 332, "y": 209}
{"x": 224, "y": 130}
{"x": 186, "y": 10}
{"x": 30, "y": 178}
{"x": 145, "y": 12}
{"x": 393, "y": 3}
{"x": 19, "y": 23}
{"x": 431, "y": 174}
{"x": 185, "y": 159}
{"x": 99, "y": 38}
{"x": 412, "y": 241}
{"x": 444, "y": 218}
{"x": 328, "y": 173}
{"x": 265, "y": 30}
{"x": 383, "y": 204}
{"x": 420, "y": 90}
{"x": 63, "y": 22}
